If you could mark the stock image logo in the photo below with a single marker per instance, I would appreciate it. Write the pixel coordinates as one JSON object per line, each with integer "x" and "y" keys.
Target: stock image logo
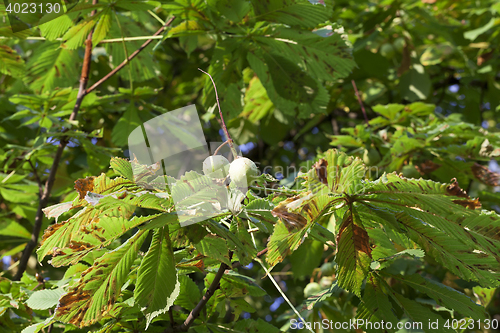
{"x": 196, "y": 173}
{"x": 26, "y": 14}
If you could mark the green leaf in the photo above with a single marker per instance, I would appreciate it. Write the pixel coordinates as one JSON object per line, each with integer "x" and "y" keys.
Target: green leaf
{"x": 17, "y": 196}
{"x": 291, "y": 12}
{"x": 415, "y": 84}
{"x": 75, "y": 37}
{"x": 300, "y": 95}
{"x": 420, "y": 314}
{"x": 257, "y": 103}
{"x": 39, "y": 326}
{"x": 233, "y": 10}
{"x": 96, "y": 292}
{"x": 435, "y": 216}
{"x": 126, "y": 124}
{"x": 12, "y": 228}
{"x": 444, "y": 295}
{"x": 254, "y": 326}
{"x": 376, "y": 306}
{"x": 157, "y": 286}
{"x": 353, "y": 253}
{"x": 10, "y": 62}
{"x": 45, "y": 299}
{"x": 57, "y": 27}
{"x": 122, "y": 167}
{"x": 214, "y": 247}
{"x": 322, "y": 296}
{"x": 142, "y": 67}
{"x": 338, "y": 173}
{"x": 306, "y": 258}
{"x": 297, "y": 216}
{"x": 103, "y": 26}
{"x": 51, "y": 67}
{"x": 189, "y": 294}
{"x": 473, "y": 34}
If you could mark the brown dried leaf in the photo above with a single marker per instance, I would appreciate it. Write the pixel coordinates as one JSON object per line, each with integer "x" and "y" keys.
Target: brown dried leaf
{"x": 454, "y": 189}
{"x": 471, "y": 203}
{"x": 320, "y": 168}
{"x": 427, "y": 167}
{"x": 485, "y": 175}
{"x": 84, "y": 185}
{"x": 361, "y": 238}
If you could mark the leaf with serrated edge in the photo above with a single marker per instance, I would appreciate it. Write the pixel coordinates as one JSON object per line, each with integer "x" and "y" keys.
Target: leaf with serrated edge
{"x": 96, "y": 292}
{"x": 157, "y": 285}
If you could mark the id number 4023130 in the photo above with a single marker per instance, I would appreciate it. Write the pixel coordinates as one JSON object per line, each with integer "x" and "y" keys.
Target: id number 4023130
{"x": 33, "y": 8}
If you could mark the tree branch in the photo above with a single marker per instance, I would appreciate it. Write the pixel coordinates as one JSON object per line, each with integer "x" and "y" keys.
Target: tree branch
{"x": 45, "y": 195}
{"x": 132, "y": 56}
{"x": 360, "y": 101}
{"x": 201, "y": 304}
{"x": 38, "y": 180}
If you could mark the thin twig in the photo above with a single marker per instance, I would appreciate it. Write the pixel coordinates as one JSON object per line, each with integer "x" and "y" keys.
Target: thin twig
{"x": 274, "y": 281}
{"x": 201, "y": 304}
{"x": 360, "y": 101}
{"x": 45, "y": 196}
{"x": 218, "y": 148}
{"x": 228, "y": 137}
{"x": 132, "y": 56}
{"x": 171, "y": 317}
{"x": 38, "y": 180}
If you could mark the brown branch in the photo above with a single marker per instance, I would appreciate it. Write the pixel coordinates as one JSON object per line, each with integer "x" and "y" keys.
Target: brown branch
{"x": 132, "y": 56}
{"x": 360, "y": 101}
{"x": 201, "y": 304}
{"x": 38, "y": 180}
{"x": 45, "y": 195}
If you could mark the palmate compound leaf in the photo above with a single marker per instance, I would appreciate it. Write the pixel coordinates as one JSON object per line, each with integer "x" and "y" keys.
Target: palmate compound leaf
{"x": 157, "y": 284}
{"x": 441, "y": 219}
{"x": 119, "y": 204}
{"x": 96, "y": 292}
{"x": 304, "y": 60}
{"x": 100, "y": 232}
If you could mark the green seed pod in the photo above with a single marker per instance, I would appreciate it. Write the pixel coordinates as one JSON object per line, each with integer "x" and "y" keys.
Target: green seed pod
{"x": 243, "y": 171}
{"x": 216, "y": 166}
{"x": 399, "y": 44}
{"x": 371, "y": 156}
{"x": 388, "y": 51}
{"x": 312, "y": 289}
{"x": 328, "y": 268}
